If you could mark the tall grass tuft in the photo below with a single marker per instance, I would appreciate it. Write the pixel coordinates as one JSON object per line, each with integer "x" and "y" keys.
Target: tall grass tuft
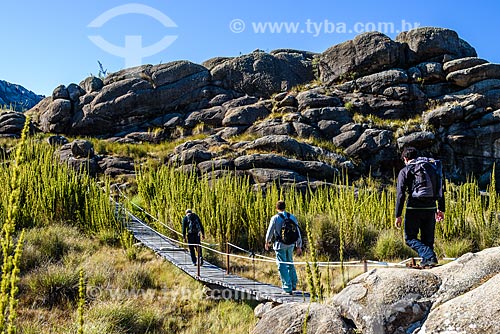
{"x": 50, "y": 192}
{"x": 346, "y": 220}
{"x": 314, "y": 282}
{"x": 12, "y": 256}
{"x": 81, "y": 301}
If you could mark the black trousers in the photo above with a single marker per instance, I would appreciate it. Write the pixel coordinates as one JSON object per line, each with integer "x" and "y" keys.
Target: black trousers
{"x": 194, "y": 240}
{"x": 423, "y": 221}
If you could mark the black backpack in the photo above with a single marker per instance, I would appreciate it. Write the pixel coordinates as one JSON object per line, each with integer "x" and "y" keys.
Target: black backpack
{"x": 289, "y": 230}
{"x": 194, "y": 226}
{"x": 428, "y": 181}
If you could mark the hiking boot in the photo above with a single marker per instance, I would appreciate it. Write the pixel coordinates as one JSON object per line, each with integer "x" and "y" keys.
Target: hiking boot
{"x": 290, "y": 293}
{"x": 428, "y": 263}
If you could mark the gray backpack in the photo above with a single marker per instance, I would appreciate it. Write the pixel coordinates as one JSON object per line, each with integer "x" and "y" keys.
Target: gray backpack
{"x": 428, "y": 181}
{"x": 194, "y": 225}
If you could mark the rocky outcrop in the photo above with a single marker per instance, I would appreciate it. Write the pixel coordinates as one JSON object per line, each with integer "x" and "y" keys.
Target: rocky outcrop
{"x": 367, "y": 53}
{"x": 11, "y": 123}
{"x": 437, "y": 44}
{"x": 80, "y": 156}
{"x": 272, "y": 165}
{"x": 17, "y": 97}
{"x": 261, "y": 74}
{"x": 290, "y": 319}
{"x": 459, "y": 297}
{"x": 455, "y": 316}
{"x": 374, "y": 95}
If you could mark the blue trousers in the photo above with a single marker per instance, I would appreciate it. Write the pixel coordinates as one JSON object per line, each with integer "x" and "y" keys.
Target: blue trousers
{"x": 287, "y": 271}
{"x": 424, "y": 221}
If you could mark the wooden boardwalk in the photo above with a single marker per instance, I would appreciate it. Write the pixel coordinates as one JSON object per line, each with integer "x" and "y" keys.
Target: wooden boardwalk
{"x": 228, "y": 285}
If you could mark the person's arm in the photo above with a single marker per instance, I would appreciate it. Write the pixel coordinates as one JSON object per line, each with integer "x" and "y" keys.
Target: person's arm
{"x": 298, "y": 243}
{"x": 441, "y": 207}
{"x": 184, "y": 227}
{"x": 270, "y": 233}
{"x": 400, "y": 196}
{"x": 201, "y": 228}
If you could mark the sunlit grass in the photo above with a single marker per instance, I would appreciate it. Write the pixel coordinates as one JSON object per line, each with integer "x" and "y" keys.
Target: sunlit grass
{"x": 145, "y": 295}
{"x": 51, "y": 192}
{"x": 231, "y": 212}
{"x": 141, "y": 151}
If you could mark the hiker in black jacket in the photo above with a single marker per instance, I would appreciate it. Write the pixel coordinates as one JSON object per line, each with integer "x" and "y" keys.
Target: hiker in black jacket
{"x": 192, "y": 228}
{"x": 421, "y": 212}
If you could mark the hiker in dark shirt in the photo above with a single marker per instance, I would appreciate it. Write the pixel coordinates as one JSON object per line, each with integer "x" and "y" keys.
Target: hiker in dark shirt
{"x": 192, "y": 228}
{"x": 421, "y": 213}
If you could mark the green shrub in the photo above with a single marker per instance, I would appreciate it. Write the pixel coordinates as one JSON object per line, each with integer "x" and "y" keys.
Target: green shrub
{"x": 356, "y": 242}
{"x": 454, "y": 248}
{"x": 53, "y": 285}
{"x": 137, "y": 277}
{"x": 109, "y": 237}
{"x": 390, "y": 245}
{"x": 326, "y": 235}
{"x": 42, "y": 246}
{"x": 122, "y": 317}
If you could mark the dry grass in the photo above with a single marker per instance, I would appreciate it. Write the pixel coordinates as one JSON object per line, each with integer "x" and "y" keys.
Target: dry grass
{"x": 267, "y": 272}
{"x": 145, "y": 295}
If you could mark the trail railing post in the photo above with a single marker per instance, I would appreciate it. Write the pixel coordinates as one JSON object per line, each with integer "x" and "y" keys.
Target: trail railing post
{"x": 365, "y": 265}
{"x": 198, "y": 263}
{"x": 228, "y": 268}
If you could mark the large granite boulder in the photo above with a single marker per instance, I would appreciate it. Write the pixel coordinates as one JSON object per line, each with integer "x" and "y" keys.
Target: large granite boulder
{"x": 130, "y": 100}
{"x": 462, "y": 64}
{"x": 79, "y": 155}
{"x": 475, "y": 312}
{"x": 430, "y": 43}
{"x": 262, "y": 74}
{"x": 11, "y": 123}
{"x": 387, "y": 300}
{"x": 314, "y": 169}
{"x": 285, "y": 144}
{"x": 468, "y": 76}
{"x": 458, "y": 297}
{"x": 290, "y": 319}
{"x": 367, "y": 53}
{"x": 245, "y": 115}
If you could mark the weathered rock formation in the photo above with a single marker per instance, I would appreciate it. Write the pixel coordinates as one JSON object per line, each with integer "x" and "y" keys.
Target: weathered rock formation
{"x": 11, "y": 123}
{"x": 80, "y": 156}
{"x": 353, "y": 100}
{"x": 459, "y": 297}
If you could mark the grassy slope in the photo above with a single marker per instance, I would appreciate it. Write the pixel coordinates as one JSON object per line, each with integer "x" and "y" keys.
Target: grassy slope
{"x": 124, "y": 295}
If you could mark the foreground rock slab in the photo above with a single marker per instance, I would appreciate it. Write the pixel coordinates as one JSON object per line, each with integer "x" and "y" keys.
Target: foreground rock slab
{"x": 460, "y": 297}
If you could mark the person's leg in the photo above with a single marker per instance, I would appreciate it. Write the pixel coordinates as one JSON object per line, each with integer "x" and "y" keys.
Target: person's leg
{"x": 291, "y": 268}
{"x": 192, "y": 248}
{"x": 199, "y": 250}
{"x": 281, "y": 257}
{"x": 427, "y": 231}
{"x": 413, "y": 224}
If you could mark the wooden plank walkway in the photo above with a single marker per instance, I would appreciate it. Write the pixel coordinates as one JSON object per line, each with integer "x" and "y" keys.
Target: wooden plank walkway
{"x": 229, "y": 285}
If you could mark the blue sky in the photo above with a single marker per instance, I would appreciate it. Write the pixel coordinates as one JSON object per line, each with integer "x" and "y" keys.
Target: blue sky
{"x": 48, "y": 43}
